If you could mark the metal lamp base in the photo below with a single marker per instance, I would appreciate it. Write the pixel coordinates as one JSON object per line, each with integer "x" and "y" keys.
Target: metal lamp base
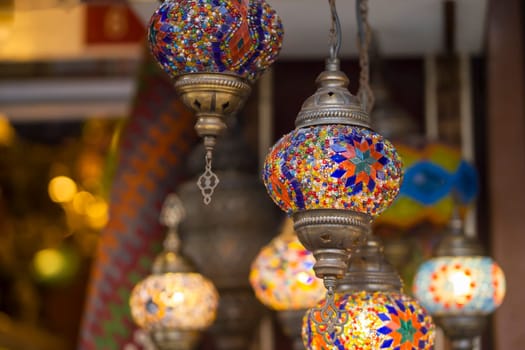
{"x": 175, "y": 339}
{"x": 212, "y": 96}
{"x": 331, "y": 234}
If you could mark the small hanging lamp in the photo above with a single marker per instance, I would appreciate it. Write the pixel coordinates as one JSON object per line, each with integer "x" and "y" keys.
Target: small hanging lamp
{"x": 333, "y": 174}
{"x": 460, "y": 287}
{"x": 380, "y": 316}
{"x": 175, "y": 303}
{"x": 214, "y": 50}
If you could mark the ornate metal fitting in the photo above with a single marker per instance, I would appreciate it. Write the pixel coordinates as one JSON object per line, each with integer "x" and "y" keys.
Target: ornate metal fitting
{"x": 332, "y": 103}
{"x": 169, "y": 260}
{"x": 330, "y": 234}
{"x": 213, "y": 97}
{"x": 175, "y": 339}
{"x": 328, "y": 319}
{"x": 462, "y": 329}
{"x": 368, "y": 270}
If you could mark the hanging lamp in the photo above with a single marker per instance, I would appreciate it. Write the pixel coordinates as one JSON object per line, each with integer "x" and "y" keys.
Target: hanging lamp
{"x": 333, "y": 174}
{"x": 213, "y": 50}
{"x": 460, "y": 287}
{"x": 175, "y": 303}
{"x": 380, "y": 315}
{"x": 282, "y": 279}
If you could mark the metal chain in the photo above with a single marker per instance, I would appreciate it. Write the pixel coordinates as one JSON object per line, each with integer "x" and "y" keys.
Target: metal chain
{"x": 208, "y": 181}
{"x": 365, "y": 93}
{"x": 335, "y": 33}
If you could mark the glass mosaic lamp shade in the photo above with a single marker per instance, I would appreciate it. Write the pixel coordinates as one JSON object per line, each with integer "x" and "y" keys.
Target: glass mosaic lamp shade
{"x": 436, "y": 180}
{"x": 457, "y": 285}
{"x": 237, "y": 37}
{"x": 460, "y": 287}
{"x": 379, "y": 320}
{"x": 213, "y": 50}
{"x": 175, "y": 303}
{"x": 378, "y": 315}
{"x": 332, "y": 174}
{"x": 282, "y": 275}
{"x": 185, "y": 301}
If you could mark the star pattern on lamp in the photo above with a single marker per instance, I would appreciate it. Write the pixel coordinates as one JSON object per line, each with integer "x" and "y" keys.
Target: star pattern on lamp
{"x": 404, "y": 327}
{"x": 359, "y": 160}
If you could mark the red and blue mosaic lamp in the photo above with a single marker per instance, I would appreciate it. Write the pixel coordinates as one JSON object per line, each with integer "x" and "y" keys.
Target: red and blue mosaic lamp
{"x": 333, "y": 174}
{"x": 460, "y": 287}
{"x": 377, "y": 314}
{"x": 213, "y": 50}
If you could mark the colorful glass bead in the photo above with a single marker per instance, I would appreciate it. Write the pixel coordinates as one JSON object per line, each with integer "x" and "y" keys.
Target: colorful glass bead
{"x": 239, "y": 37}
{"x": 448, "y": 285}
{"x": 380, "y": 320}
{"x": 282, "y": 275}
{"x": 333, "y": 167}
{"x": 185, "y": 301}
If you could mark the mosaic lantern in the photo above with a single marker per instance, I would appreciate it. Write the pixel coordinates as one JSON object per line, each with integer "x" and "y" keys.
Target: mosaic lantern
{"x": 282, "y": 275}
{"x": 175, "y": 303}
{"x": 460, "y": 287}
{"x": 436, "y": 179}
{"x": 213, "y": 50}
{"x": 378, "y": 315}
{"x": 332, "y": 174}
{"x": 283, "y": 279}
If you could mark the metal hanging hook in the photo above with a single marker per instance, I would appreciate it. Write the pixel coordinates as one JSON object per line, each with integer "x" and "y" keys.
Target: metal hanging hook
{"x": 208, "y": 181}
{"x": 365, "y": 93}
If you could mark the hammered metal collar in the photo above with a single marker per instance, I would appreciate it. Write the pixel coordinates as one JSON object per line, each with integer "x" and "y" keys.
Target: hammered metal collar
{"x": 332, "y": 103}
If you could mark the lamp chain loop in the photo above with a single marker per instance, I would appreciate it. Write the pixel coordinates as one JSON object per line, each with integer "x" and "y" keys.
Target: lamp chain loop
{"x": 208, "y": 181}
{"x": 328, "y": 319}
{"x": 364, "y": 37}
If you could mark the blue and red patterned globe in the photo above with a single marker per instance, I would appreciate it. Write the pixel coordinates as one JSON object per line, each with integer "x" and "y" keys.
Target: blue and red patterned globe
{"x": 333, "y": 167}
{"x": 380, "y": 320}
{"x": 239, "y": 37}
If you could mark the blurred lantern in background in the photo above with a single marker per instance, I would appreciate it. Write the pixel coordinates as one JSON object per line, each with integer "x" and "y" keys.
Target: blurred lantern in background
{"x": 434, "y": 174}
{"x": 283, "y": 279}
{"x": 460, "y": 287}
{"x": 174, "y": 304}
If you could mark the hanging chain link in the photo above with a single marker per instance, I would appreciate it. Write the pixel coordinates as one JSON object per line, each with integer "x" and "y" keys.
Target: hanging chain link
{"x": 328, "y": 319}
{"x": 208, "y": 181}
{"x": 335, "y": 33}
{"x": 364, "y": 37}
